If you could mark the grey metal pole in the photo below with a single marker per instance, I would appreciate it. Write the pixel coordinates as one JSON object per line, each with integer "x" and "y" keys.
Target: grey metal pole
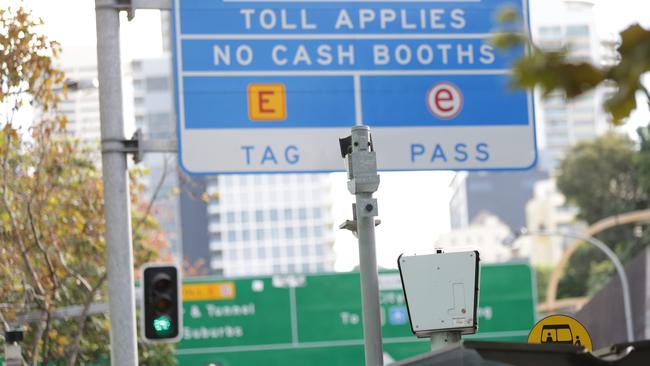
{"x": 363, "y": 182}
{"x": 117, "y": 207}
{"x": 620, "y": 270}
{"x": 441, "y": 340}
{"x": 369, "y": 282}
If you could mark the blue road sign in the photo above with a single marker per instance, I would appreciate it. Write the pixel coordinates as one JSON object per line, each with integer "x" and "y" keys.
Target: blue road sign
{"x": 269, "y": 86}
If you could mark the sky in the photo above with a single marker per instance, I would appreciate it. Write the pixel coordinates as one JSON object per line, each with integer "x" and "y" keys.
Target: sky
{"x": 413, "y": 206}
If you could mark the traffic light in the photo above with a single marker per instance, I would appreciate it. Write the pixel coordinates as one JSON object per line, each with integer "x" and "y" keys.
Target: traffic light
{"x": 161, "y": 305}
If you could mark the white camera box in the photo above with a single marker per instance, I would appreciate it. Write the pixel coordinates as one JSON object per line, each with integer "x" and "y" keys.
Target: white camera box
{"x": 441, "y": 291}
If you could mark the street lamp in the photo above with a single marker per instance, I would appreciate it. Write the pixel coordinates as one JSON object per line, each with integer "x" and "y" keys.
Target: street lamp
{"x": 625, "y": 284}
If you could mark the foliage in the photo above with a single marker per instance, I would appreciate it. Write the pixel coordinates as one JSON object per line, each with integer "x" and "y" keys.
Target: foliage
{"x": 600, "y": 177}
{"x": 51, "y": 211}
{"x": 604, "y": 177}
{"x": 542, "y": 277}
{"x": 554, "y": 71}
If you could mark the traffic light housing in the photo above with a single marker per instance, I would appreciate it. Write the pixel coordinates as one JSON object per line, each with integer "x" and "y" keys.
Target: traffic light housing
{"x": 161, "y": 304}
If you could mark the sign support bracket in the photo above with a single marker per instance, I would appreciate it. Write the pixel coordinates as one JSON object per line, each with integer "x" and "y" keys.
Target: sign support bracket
{"x": 138, "y": 146}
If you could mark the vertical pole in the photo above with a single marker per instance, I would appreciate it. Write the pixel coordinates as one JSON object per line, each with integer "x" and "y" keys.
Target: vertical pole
{"x": 441, "y": 340}
{"x": 117, "y": 208}
{"x": 363, "y": 182}
{"x": 369, "y": 282}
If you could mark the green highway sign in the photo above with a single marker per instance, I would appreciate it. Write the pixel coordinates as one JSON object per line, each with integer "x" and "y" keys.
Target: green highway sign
{"x": 316, "y": 319}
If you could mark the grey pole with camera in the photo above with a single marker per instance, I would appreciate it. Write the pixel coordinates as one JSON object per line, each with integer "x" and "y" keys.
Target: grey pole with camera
{"x": 363, "y": 181}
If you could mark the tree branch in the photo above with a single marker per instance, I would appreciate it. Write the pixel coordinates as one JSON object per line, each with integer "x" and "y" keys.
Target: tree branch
{"x": 154, "y": 196}
{"x": 46, "y": 336}
{"x": 81, "y": 322}
{"x": 41, "y": 248}
{"x": 14, "y": 226}
{"x": 38, "y": 334}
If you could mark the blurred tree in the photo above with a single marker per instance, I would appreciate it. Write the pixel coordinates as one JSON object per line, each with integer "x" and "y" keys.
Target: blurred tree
{"x": 553, "y": 71}
{"x": 51, "y": 210}
{"x": 600, "y": 177}
{"x": 542, "y": 277}
{"x": 603, "y": 177}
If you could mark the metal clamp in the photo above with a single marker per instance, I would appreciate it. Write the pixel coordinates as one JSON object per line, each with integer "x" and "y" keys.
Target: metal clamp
{"x": 352, "y": 224}
{"x": 129, "y": 6}
{"x": 138, "y": 146}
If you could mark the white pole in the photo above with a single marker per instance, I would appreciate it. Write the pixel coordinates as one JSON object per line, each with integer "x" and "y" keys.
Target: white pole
{"x": 117, "y": 208}
{"x": 363, "y": 182}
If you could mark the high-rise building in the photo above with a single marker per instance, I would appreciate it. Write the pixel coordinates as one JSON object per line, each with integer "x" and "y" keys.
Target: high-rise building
{"x": 503, "y": 194}
{"x": 81, "y": 107}
{"x": 569, "y": 24}
{"x": 270, "y": 223}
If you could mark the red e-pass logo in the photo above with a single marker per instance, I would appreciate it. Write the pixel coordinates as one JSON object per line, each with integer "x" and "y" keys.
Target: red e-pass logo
{"x": 444, "y": 100}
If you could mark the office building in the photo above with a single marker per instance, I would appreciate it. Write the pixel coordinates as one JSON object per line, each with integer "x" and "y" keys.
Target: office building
{"x": 503, "y": 194}
{"x": 569, "y": 24}
{"x": 81, "y": 107}
{"x": 267, "y": 224}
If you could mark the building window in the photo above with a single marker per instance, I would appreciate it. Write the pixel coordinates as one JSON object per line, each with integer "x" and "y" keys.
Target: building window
{"x": 260, "y": 234}
{"x": 261, "y": 252}
{"x": 318, "y": 232}
{"x": 288, "y": 232}
{"x": 230, "y": 216}
{"x": 305, "y": 250}
{"x": 276, "y": 252}
{"x": 577, "y": 30}
{"x": 215, "y": 219}
{"x": 288, "y": 214}
{"x": 259, "y": 215}
{"x": 303, "y": 232}
{"x": 302, "y": 213}
{"x": 550, "y": 30}
{"x": 274, "y": 215}
{"x": 318, "y": 213}
{"x": 232, "y": 236}
{"x": 319, "y": 250}
{"x": 157, "y": 84}
{"x": 246, "y": 235}
{"x": 291, "y": 251}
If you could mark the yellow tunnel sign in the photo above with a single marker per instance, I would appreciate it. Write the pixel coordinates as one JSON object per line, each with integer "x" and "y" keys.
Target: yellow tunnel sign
{"x": 560, "y": 329}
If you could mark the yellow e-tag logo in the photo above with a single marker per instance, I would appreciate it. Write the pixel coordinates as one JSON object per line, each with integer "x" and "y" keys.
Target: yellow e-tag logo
{"x": 267, "y": 102}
